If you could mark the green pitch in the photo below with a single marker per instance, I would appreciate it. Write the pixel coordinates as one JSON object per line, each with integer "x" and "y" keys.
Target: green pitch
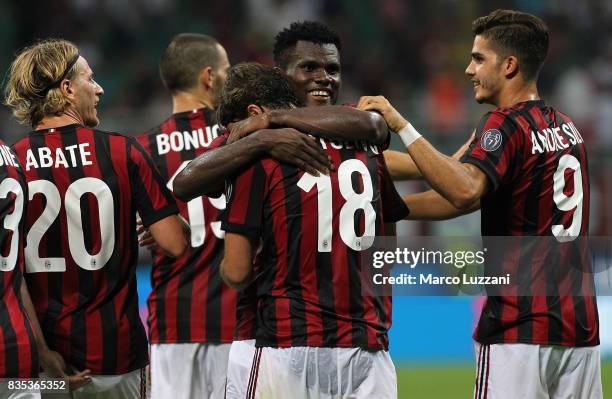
{"x": 455, "y": 382}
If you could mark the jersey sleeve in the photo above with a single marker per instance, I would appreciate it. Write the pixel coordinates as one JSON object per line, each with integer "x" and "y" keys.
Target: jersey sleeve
{"x": 152, "y": 198}
{"x": 495, "y": 147}
{"x": 394, "y": 207}
{"x": 245, "y": 197}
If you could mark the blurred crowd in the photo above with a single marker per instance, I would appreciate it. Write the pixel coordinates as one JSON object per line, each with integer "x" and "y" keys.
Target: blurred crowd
{"x": 413, "y": 52}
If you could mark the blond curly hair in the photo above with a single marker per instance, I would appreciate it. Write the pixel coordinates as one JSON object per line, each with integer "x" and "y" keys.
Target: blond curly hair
{"x": 32, "y": 89}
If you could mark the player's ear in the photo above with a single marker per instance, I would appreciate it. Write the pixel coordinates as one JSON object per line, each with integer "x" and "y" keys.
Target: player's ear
{"x": 511, "y": 66}
{"x": 66, "y": 88}
{"x": 254, "y": 109}
{"x": 205, "y": 77}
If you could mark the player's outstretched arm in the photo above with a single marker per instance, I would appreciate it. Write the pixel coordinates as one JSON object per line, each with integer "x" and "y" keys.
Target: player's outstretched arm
{"x": 51, "y": 362}
{"x": 237, "y": 265}
{"x": 462, "y": 184}
{"x": 430, "y": 205}
{"x": 170, "y": 235}
{"x": 401, "y": 166}
{"x": 207, "y": 173}
{"x": 330, "y": 121}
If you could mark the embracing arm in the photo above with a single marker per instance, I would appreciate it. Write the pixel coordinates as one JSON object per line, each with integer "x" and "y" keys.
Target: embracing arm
{"x": 207, "y": 173}
{"x": 333, "y": 121}
{"x": 330, "y": 121}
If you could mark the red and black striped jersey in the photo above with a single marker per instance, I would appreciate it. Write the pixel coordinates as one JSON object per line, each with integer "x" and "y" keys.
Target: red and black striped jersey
{"x": 18, "y": 356}
{"x": 312, "y": 230}
{"x": 85, "y": 188}
{"x": 246, "y": 300}
{"x": 189, "y": 301}
{"x": 246, "y": 311}
{"x": 536, "y": 163}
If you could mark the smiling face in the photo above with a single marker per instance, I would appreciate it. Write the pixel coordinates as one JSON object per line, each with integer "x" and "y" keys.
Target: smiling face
{"x": 315, "y": 72}
{"x": 486, "y": 72}
{"x": 86, "y": 93}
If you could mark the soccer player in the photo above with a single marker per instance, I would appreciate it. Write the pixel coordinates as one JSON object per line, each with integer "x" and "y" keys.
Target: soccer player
{"x": 18, "y": 350}
{"x": 192, "y": 312}
{"x": 316, "y": 333}
{"x": 318, "y": 73}
{"x": 308, "y": 52}
{"x": 23, "y": 345}
{"x": 85, "y": 187}
{"x": 527, "y": 171}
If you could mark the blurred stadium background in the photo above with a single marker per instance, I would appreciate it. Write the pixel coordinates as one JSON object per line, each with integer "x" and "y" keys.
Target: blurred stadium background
{"x": 413, "y": 52}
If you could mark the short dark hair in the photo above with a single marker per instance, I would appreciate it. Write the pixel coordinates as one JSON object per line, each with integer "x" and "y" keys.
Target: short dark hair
{"x": 186, "y": 55}
{"x": 308, "y": 31}
{"x": 253, "y": 83}
{"x": 516, "y": 33}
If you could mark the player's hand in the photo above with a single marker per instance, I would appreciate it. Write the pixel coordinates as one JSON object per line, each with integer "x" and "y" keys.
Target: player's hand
{"x": 290, "y": 146}
{"x": 145, "y": 238}
{"x": 394, "y": 119}
{"x": 53, "y": 364}
{"x": 79, "y": 379}
{"x": 238, "y": 130}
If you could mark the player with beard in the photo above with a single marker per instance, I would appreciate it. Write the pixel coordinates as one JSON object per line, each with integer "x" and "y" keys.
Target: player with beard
{"x": 191, "y": 311}
{"x": 527, "y": 171}
{"x": 85, "y": 187}
{"x": 317, "y": 335}
{"x": 308, "y": 53}
{"x": 314, "y": 66}
{"x": 207, "y": 173}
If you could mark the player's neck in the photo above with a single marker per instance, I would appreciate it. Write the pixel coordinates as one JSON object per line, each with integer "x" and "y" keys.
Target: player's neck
{"x": 68, "y": 117}
{"x": 184, "y": 101}
{"x": 517, "y": 93}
